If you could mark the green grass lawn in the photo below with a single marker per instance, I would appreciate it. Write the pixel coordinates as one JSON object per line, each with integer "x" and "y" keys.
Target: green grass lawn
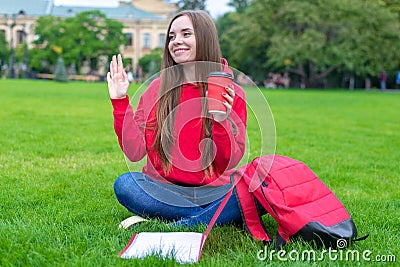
{"x": 59, "y": 157}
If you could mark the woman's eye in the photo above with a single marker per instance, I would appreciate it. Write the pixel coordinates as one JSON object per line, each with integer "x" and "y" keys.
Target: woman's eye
{"x": 187, "y": 34}
{"x": 171, "y": 37}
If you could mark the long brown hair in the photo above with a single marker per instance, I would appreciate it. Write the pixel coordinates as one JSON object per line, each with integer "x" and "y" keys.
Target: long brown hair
{"x": 207, "y": 50}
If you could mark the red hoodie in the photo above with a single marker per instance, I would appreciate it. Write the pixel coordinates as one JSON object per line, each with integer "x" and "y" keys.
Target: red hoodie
{"x": 136, "y": 140}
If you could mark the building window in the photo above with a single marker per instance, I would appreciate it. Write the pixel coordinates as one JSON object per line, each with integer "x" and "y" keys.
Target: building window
{"x": 20, "y": 37}
{"x": 146, "y": 40}
{"x": 161, "y": 41}
{"x": 129, "y": 38}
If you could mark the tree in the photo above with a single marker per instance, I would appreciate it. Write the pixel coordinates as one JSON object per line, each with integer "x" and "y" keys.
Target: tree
{"x": 85, "y": 37}
{"x": 151, "y": 63}
{"x": 21, "y": 57}
{"x": 373, "y": 31}
{"x": 247, "y": 56}
{"x": 239, "y": 5}
{"x": 311, "y": 39}
{"x": 192, "y": 4}
{"x": 4, "y": 50}
{"x": 394, "y": 6}
{"x": 228, "y": 36}
{"x": 40, "y": 60}
{"x": 48, "y": 30}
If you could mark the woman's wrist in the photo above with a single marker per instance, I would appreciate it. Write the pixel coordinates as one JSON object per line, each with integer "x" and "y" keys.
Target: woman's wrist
{"x": 117, "y": 97}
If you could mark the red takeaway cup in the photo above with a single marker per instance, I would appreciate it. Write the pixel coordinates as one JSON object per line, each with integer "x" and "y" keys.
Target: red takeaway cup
{"x": 217, "y": 82}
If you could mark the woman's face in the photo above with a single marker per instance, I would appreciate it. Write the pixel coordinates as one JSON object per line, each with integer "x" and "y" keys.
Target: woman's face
{"x": 182, "y": 41}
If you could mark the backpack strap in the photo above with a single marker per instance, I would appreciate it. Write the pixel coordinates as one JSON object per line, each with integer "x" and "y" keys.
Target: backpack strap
{"x": 360, "y": 238}
{"x": 217, "y": 213}
{"x": 248, "y": 207}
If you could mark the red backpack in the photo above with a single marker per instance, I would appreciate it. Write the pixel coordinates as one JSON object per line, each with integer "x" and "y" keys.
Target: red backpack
{"x": 303, "y": 206}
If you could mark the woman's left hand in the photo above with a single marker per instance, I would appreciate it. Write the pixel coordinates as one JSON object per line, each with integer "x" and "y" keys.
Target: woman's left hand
{"x": 117, "y": 79}
{"x": 229, "y": 96}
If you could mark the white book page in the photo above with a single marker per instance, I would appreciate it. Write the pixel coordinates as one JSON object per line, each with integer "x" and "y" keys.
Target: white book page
{"x": 184, "y": 247}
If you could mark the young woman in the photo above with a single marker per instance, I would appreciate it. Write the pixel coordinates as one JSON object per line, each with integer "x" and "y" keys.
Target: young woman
{"x": 190, "y": 153}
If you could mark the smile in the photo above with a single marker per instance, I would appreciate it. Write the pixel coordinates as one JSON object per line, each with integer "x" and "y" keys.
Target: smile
{"x": 180, "y": 51}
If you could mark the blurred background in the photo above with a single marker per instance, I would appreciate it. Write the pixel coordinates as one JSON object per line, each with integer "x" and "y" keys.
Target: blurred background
{"x": 288, "y": 44}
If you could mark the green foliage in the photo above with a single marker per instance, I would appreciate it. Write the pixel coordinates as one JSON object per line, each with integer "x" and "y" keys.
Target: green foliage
{"x": 151, "y": 63}
{"x": 40, "y": 60}
{"x": 59, "y": 158}
{"x": 192, "y": 4}
{"x": 224, "y": 24}
{"x": 249, "y": 57}
{"x": 239, "y": 5}
{"x": 87, "y": 36}
{"x": 313, "y": 38}
{"x": 4, "y": 49}
{"x": 48, "y": 29}
{"x": 394, "y": 6}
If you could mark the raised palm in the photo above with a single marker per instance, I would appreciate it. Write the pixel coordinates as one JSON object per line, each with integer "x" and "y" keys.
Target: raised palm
{"x": 117, "y": 79}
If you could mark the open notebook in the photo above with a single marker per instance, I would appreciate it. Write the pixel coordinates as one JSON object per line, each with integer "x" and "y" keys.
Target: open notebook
{"x": 184, "y": 247}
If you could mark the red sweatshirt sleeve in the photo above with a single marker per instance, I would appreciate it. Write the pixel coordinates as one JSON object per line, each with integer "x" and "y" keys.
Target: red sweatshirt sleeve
{"x": 129, "y": 127}
{"x": 230, "y": 146}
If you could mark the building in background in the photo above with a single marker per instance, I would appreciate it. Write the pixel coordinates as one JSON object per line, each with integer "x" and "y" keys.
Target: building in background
{"x": 145, "y": 22}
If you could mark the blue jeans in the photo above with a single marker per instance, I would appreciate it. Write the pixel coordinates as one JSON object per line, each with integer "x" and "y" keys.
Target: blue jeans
{"x": 187, "y": 206}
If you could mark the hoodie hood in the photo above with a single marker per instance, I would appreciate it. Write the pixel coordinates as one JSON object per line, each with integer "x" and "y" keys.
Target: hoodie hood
{"x": 226, "y": 68}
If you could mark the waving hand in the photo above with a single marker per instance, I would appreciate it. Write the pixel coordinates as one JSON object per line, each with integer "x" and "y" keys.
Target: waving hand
{"x": 117, "y": 79}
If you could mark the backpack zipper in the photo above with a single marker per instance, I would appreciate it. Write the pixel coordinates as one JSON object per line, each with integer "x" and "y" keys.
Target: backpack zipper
{"x": 264, "y": 184}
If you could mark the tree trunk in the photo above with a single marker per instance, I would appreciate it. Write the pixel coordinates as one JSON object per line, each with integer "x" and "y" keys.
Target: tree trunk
{"x": 312, "y": 74}
{"x": 351, "y": 81}
{"x": 315, "y": 77}
{"x": 367, "y": 83}
{"x": 299, "y": 71}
